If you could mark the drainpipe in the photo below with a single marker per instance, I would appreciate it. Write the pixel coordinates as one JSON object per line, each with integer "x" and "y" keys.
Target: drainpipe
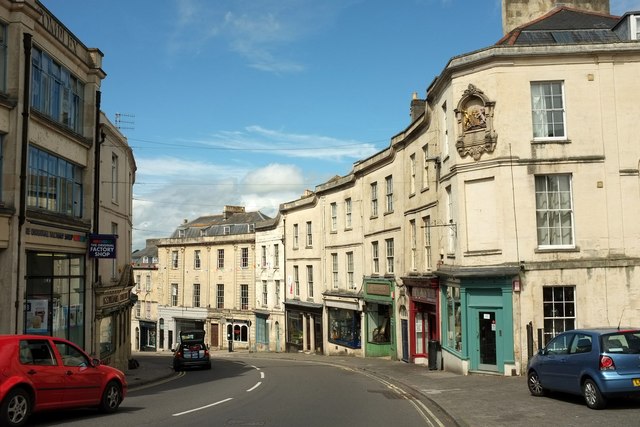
{"x": 98, "y": 139}
{"x": 22, "y": 215}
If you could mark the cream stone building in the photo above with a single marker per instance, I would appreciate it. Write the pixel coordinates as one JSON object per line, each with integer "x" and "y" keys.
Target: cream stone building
{"x": 270, "y": 286}
{"x": 145, "y": 327}
{"x": 50, "y": 130}
{"x": 207, "y": 276}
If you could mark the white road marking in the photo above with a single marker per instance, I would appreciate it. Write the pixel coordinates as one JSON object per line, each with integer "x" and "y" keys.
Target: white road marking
{"x": 255, "y": 386}
{"x": 262, "y": 375}
{"x": 202, "y": 407}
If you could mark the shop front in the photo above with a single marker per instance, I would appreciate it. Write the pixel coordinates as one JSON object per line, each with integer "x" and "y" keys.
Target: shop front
{"x": 424, "y": 318}
{"x": 379, "y": 317}
{"x": 344, "y": 319}
{"x": 148, "y": 336}
{"x": 303, "y": 327}
{"x": 477, "y": 321}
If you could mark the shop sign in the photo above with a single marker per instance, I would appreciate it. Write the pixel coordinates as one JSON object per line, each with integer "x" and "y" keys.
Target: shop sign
{"x": 102, "y": 246}
{"x": 378, "y": 289}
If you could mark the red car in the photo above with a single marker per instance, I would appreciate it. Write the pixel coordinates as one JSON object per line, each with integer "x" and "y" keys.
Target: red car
{"x": 42, "y": 372}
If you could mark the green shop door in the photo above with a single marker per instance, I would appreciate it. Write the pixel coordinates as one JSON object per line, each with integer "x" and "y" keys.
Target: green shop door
{"x": 487, "y": 354}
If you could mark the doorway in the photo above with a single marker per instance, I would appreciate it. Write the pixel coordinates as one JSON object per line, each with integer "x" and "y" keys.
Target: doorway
{"x": 487, "y": 330}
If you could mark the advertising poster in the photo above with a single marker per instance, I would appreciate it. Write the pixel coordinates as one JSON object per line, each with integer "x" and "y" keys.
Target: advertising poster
{"x": 37, "y": 316}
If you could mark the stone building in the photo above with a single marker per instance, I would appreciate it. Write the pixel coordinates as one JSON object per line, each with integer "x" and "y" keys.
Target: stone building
{"x": 50, "y": 130}
{"x": 207, "y": 276}
{"x": 144, "y": 319}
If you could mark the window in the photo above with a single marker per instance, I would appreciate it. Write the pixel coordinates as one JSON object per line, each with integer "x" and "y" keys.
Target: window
{"x": 1, "y": 155}
{"x": 244, "y": 257}
{"x": 138, "y": 281}
{"x": 296, "y": 280}
{"x": 55, "y": 92}
{"x": 347, "y": 213}
{"x": 379, "y": 319}
{"x": 196, "y": 260}
{"x": 114, "y": 178}
{"x": 374, "y": 199}
{"x": 182, "y": 233}
{"x": 309, "y": 235}
{"x": 426, "y": 224}
{"x": 114, "y": 261}
{"x": 637, "y": 20}
{"x": 547, "y": 110}
{"x": 453, "y": 319}
{"x": 148, "y": 283}
{"x": 244, "y": 297}
{"x": 295, "y": 236}
{"x": 147, "y": 309}
{"x": 220, "y": 296}
{"x": 334, "y": 216}
{"x": 220, "y": 259}
{"x": 350, "y": 282}
{"x": 276, "y": 256}
{"x": 389, "y": 245}
{"x": 174, "y": 259}
{"x": 425, "y": 171}
{"x": 277, "y": 292}
{"x": 138, "y": 308}
{"x": 263, "y": 258}
{"x": 445, "y": 131}
{"x": 375, "y": 256}
{"x": 310, "y": 281}
{"x": 559, "y": 307}
{"x": 344, "y": 327}
{"x": 174, "y": 294}
{"x": 451, "y": 229}
{"x": 413, "y": 231}
{"x": 264, "y": 293}
{"x": 54, "y": 184}
{"x": 334, "y": 270}
{"x": 412, "y": 171}
{"x": 389, "y": 192}
{"x": 3, "y": 59}
{"x": 196, "y": 294}
{"x": 554, "y": 211}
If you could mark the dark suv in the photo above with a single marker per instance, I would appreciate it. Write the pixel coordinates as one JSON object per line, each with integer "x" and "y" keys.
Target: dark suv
{"x": 191, "y": 351}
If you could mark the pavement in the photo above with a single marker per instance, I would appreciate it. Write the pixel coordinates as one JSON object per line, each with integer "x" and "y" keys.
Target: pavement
{"x": 474, "y": 400}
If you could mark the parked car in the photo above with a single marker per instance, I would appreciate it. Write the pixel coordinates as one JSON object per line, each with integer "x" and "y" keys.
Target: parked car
{"x": 41, "y": 372}
{"x": 191, "y": 351}
{"x": 598, "y": 364}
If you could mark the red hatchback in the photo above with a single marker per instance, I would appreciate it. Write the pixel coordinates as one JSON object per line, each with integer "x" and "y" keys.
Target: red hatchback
{"x": 41, "y": 372}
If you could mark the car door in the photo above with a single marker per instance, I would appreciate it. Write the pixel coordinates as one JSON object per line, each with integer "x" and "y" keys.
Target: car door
{"x": 39, "y": 365}
{"x": 83, "y": 382}
{"x": 554, "y": 361}
{"x": 580, "y": 355}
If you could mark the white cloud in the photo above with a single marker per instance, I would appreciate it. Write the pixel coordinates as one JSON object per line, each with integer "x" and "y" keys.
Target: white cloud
{"x": 159, "y": 209}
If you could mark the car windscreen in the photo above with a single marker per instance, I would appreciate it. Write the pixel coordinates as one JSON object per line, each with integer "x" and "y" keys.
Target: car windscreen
{"x": 622, "y": 342}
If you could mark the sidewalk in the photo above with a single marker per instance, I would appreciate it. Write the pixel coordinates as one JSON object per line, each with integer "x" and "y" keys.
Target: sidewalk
{"x": 472, "y": 400}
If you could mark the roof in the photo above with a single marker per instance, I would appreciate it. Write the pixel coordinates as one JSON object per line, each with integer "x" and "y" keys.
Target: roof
{"x": 564, "y": 25}
{"x": 220, "y": 225}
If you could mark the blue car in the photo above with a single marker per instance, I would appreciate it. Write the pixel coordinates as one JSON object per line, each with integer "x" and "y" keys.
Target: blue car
{"x": 595, "y": 363}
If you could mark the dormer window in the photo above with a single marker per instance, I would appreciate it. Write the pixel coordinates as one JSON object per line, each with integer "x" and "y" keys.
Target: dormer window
{"x": 636, "y": 21}
{"x": 181, "y": 233}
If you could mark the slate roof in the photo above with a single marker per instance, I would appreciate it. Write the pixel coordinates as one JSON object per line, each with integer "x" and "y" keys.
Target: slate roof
{"x": 150, "y": 252}
{"x": 564, "y": 25}
{"x": 220, "y": 225}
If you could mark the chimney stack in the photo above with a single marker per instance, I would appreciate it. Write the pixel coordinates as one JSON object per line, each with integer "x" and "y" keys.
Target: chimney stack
{"x": 418, "y": 107}
{"x": 516, "y": 13}
{"x": 230, "y": 210}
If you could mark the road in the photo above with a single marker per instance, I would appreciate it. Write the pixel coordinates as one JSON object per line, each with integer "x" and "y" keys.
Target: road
{"x": 263, "y": 392}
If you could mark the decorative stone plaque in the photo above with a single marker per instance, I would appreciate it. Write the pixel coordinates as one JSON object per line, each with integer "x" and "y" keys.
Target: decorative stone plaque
{"x": 474, "y": 114}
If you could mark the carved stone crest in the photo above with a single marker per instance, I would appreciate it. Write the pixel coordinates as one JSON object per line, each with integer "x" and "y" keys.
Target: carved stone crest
{"x": 474, "y": 114}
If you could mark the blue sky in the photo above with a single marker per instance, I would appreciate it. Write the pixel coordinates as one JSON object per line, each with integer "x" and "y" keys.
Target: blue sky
{"x": 250, "y": 102}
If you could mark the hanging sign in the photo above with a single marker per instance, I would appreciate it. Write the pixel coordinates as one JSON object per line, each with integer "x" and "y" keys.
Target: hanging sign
{"x": 102, "y": 246}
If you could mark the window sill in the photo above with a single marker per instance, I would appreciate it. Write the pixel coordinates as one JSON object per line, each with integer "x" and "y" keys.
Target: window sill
{"x": 544, "y": 250}
{"x": 551, "y": 141}
{"x": 483, "y": 252}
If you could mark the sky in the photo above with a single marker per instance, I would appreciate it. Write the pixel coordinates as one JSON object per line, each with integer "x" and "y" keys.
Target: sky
{"x": 250, "y": 102}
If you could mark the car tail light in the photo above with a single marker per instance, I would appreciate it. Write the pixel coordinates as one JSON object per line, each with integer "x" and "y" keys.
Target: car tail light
{"x": 606, "y": 363}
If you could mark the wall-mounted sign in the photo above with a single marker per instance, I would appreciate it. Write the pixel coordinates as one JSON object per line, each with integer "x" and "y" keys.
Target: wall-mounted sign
{"x": 102, "y": 246}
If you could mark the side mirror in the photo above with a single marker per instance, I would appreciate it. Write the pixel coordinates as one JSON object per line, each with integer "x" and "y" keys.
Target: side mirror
{"x": 95, "y": 362}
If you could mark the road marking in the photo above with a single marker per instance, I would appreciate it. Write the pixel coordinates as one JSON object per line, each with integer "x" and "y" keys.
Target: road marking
{"x": 255, "y": 386}
{"x": 261, "y": 375}
{"x": 202, "y": 407}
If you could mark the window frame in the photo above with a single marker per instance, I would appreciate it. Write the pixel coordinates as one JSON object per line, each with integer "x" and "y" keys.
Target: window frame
{"x": 543, "y": 111}
{"x": 374, "y": 199}
{"x": 390, "y": 255}
{"x": 348, "y": 213}
{"x": 559, "y": 212}
{"x": 389, "y": 194}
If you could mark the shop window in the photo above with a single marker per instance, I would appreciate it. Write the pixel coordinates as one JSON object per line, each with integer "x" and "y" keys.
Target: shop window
{"x": 106, "y": 336}
{"x": 344, "y": 327}
{"x": 379, "y": 316}
{"x": 294, "y": 328}
{"x": 454, "y": 319}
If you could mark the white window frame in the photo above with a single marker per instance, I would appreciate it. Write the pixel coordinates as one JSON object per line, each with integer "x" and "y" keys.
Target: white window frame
{"x": 296, "y": 281}
{"x": 350, "y": 282}
{"x": 425, "y": 170}
{"x": 295, "y": 236}
{"x": 114, "y": 178}
{"x": 196, "y": 295}
{"x": 197, "y": 262}
{"x": 309, "y": 234}
{"x": 347, "y": 213}
{"x": 413, "y": 242}
{"x": 389, "y": 193}
{"x": 390, "y": 255}
{"x": 426, "y": 223}
{"x": 412, "y": 171}
{"x": 544, "y": 93}
{"x": 374, "y": 199}
{"x": 562, "y": 196}
{"x": 334, "y": 216}
{"x": 310, "y": 281}
{"x": 334, "y": 270}
{"x": 375, "y": 257}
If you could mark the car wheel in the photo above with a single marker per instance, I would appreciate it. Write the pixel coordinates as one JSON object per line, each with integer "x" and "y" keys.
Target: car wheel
{"x": 592, "y": 395}
{"x": 15, "y": 408}
{"x": 111, "y": 397}
{"x": 535, "y": 386}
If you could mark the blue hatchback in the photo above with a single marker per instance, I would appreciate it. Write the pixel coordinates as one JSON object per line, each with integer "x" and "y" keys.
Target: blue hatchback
{"x": 595, "y": 363}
